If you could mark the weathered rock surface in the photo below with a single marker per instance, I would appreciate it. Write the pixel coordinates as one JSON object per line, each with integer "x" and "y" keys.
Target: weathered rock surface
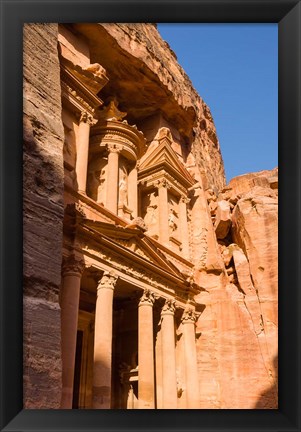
{"x": 238, "y": 350}
{"x": 43, "y": 216}
{"x": 223, "y": 219}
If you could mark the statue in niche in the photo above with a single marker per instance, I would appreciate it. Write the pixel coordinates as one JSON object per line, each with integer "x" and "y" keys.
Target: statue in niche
{"x": 151, "y": 213}
{"x": 123, "y": 185}
{"x": 172, "y": 220}
{"x": 173, "y": 216}
{"x": 97, "y": 180}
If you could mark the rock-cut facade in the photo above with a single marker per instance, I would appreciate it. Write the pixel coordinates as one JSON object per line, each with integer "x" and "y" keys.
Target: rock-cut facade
{"x": 148, "y": 283}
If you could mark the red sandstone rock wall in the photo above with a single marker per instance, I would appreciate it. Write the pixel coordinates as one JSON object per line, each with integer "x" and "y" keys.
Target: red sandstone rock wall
{"x": 238, "y": 345}
{"x": 43, "y": 216}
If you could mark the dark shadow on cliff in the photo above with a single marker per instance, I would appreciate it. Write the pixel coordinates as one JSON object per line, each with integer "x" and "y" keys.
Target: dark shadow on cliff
{"x": 269, "y": 398}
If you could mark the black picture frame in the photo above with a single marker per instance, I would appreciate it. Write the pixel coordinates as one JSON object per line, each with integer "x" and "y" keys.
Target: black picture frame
{"x": 287, "y": 13}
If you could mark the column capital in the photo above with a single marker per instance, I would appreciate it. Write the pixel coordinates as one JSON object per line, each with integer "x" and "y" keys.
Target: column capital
{"x": 162, "y": 183}
{"x": 72, "y": 265}
{"x": 114, "y": 148}
{"x": 189, "y": 316}
{"x": 169, "y": 307}
{"x": 107, "y": 280}
{"x": 85, "y": 117}
{"x": 184, "y": 199}
{"x": 147, "y": 298}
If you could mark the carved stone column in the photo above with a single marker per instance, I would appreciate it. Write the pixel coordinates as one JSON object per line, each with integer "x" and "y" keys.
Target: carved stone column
{"x": 146, "y": 375}
{"x": 112, "y": 178}
{"x": 69, "y": 300}
{"x": 163, "y": 186}
{"x": 169, "y": 355}
{"x": 184, "y": 225}
{"x": 133, "y": 191}
{"x": 82, "y": 150}
{"x": 191, "y": 369}
{"x": 102, "y": 369}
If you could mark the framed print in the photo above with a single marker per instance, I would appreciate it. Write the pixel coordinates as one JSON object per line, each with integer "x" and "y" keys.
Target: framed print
{"x": 137, "y": 291}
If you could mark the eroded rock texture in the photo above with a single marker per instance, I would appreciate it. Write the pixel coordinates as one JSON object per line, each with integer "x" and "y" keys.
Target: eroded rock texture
{"x": 238, "y": 350}
{"x": 43, "y": 216}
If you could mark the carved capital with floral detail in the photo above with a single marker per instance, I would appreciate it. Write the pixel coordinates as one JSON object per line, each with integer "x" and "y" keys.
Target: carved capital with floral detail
{"x": 163, "y": 183}
{"x": 87, "y": 118}
{"x": 169, "y": 307}
{"x": 189, "y": 316}
{"x": 147, "y": 298}
{"x": 72, "y": 266}
{"x": 114, "y": 148}
{"x": 108, "y": 280}
{"x": 184, "y": 199}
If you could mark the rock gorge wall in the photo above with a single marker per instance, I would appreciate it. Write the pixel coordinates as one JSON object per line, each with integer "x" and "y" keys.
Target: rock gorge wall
{"x": 237, "y": 331}
{"x": 43, "y": 179}
{"x": 237, "y": 349}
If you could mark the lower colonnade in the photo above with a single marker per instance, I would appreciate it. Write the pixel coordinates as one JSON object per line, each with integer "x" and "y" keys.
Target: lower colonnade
{"x": 143, "y": 349}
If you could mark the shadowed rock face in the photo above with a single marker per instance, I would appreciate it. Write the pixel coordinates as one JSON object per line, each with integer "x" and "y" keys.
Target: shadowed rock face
{"x": 234, "y": 232}
{"x": 43, "y": 216}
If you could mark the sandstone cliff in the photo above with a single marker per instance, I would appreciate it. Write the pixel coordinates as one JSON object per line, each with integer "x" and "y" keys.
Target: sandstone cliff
{"x": 237, "y": 350}
{"x": 43, "y": 216}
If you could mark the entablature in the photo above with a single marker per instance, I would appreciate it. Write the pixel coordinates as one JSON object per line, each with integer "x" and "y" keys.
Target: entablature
{"x": 76, "y": 95}
{"x": 162, "y": 178}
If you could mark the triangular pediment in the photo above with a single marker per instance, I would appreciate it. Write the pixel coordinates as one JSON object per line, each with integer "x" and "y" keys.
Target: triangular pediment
{"x": 163, "y": 156}
{"x": 132, "y": 242}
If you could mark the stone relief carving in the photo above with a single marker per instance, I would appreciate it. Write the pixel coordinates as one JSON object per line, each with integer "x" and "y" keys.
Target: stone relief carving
{"x": 163, "y": 132}
{"x": 138, "y": 222}
{"x": 173, "y": 216}
{"x": 96, "y": 180}
{"x": 150, "y": 211}
{"x": 96, "y": 69}
{"x": 172, "y": 221}
{"x": 123, "y": 183}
